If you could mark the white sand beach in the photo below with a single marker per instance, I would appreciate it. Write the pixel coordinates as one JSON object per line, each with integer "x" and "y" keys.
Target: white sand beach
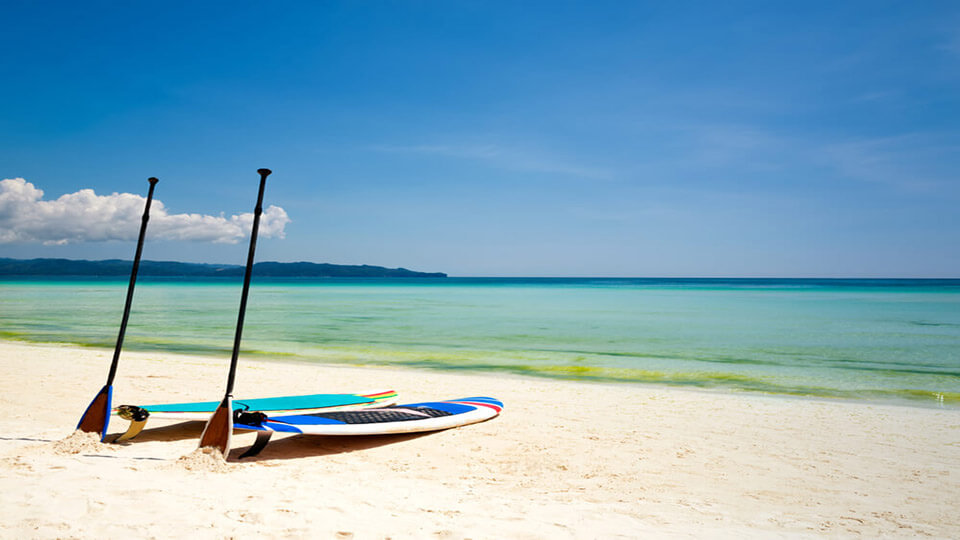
{"x": 564, "y": 460}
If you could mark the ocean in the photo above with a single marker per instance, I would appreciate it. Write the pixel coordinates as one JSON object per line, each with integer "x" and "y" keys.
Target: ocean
{"x": 876, "y": 340}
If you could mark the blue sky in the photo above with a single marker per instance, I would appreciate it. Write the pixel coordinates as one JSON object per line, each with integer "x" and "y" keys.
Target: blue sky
{"x": 499, "y": 138}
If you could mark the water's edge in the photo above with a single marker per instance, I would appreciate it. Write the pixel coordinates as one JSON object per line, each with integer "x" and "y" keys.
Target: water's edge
{"x": 873, "y": 340}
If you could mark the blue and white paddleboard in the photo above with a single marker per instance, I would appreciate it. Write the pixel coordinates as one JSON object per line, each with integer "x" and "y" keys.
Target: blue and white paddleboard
{"x": 408, "y": 418}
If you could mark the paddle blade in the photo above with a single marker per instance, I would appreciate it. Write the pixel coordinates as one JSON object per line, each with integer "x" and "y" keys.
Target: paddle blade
{"x": 97, "y": 416}
{"x": 219, "y": 429}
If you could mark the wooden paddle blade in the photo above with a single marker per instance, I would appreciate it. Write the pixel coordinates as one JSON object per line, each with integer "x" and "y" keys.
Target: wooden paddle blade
{"x": 219, "y": 429}
{"x": 97, "y": 416}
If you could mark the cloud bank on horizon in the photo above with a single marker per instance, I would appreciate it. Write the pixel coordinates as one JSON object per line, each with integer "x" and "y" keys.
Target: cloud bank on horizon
{"x": 84, "y": 216}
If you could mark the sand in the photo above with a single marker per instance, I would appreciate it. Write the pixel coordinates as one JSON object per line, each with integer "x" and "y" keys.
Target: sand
{"x": 564, "y": 460}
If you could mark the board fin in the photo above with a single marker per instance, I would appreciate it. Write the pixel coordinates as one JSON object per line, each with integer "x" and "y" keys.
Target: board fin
{"x": 134, "y": 429}
{"x": 137, "y": 416}
{"x": 263, "y": 437}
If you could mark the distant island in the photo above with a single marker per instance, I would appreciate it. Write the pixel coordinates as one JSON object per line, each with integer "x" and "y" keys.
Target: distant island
{"x": 117, "y": 267}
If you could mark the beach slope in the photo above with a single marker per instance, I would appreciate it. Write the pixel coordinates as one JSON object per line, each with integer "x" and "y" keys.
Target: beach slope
{"x": 564, "y": 460}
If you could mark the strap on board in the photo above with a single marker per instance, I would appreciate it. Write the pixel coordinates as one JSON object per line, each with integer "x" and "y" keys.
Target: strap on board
{"x": 132, "y": 413}
{"x": 241, "y": 416}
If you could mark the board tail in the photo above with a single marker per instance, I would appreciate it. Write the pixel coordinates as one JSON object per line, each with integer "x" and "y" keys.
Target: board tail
{"x": 381, "y": 398}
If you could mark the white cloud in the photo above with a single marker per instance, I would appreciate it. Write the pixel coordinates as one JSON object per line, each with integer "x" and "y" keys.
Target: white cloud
{"x": 85, "y": 216}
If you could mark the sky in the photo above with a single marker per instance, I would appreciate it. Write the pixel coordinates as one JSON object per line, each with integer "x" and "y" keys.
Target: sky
{"x": 595, "y": 138}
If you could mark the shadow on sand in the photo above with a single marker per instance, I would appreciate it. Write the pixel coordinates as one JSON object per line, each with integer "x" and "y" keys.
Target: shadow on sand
{"x": 299, "y": 446}
{"x": 172, "y": 432}
{"x": 283, "y": 446}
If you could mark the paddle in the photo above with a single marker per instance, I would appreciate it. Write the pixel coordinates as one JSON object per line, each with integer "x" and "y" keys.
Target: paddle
{"x": 97, "y": 416}
{"x": 219, "y": 428}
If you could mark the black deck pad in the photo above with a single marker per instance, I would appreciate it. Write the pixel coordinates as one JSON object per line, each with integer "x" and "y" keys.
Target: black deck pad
{"x": 385, "y": 414}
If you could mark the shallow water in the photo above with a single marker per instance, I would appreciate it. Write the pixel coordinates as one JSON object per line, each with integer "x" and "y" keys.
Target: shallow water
{"x": 859, "y": 339}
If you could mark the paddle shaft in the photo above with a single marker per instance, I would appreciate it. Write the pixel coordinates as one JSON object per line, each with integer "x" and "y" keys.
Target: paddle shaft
{"x": 246, "y": 282}
{"x": 133, "y": 281}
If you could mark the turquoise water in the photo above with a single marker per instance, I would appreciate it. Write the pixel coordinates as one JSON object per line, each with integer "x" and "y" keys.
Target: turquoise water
{"x": 875, "y": 340}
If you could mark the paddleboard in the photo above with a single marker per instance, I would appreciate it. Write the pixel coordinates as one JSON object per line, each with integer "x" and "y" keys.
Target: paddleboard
{"x": 283, "y": 405}
{"x": 408, "y": 418}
